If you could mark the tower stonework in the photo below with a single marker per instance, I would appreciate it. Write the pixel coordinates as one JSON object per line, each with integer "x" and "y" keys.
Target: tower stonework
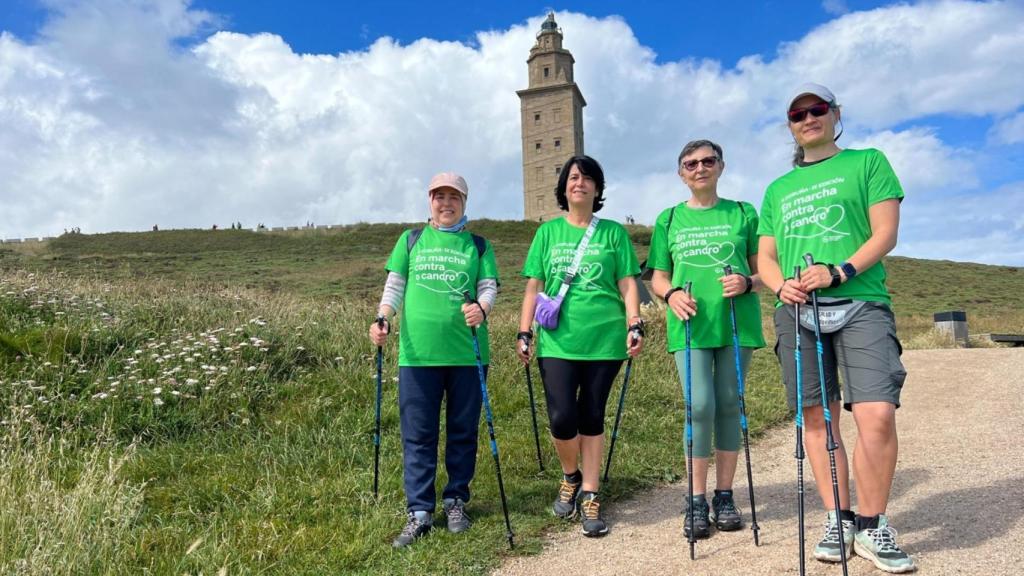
{"x": 552, "y": 121}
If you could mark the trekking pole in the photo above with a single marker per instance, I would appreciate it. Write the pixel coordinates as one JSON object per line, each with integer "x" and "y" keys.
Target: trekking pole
{"x": 799, "y": 432}
{"x": 490, "y": 425}
{"x": 376, "y": 432}
{"x": 692, "y": 538}
{"x": 830, "y": 443}
{"x": 533, "y": 413}
{"x": 743, "y": 413}
{"x": 618, "y": 414}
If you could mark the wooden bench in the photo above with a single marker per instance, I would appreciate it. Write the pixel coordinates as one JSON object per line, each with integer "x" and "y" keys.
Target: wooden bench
{"x": 1011, "y": 339}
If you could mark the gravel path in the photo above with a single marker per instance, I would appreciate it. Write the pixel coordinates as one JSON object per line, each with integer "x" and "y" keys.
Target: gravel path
{"x": 957, "y": 500}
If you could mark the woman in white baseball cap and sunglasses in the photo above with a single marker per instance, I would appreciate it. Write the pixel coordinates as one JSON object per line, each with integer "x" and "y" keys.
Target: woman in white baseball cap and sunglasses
{"x": 843, "y": 208}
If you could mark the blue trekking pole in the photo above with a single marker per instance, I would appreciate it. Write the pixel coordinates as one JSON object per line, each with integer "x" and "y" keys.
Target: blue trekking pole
{"x": 830, "y": 442}
{"x": 743, "y": 412}
{"x": 692, "y": 538}
{"x": 799, "y": 431}
{"x": 376, "y": 432}
{"x": 618, "y": 414}
{"x": 490, "y": 425}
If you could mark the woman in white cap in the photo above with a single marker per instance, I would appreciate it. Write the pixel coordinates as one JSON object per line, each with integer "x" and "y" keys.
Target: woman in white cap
{"x": 428, "y": 272}
{"x": 842, "y": 207}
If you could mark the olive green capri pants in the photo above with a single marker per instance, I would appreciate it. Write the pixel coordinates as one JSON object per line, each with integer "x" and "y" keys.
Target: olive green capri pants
{"x": 716, "y": 401}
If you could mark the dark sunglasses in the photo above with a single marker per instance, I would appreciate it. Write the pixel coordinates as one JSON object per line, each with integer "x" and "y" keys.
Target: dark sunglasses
{"x": 817, "y": 110}
{"x": 708, "y": 162}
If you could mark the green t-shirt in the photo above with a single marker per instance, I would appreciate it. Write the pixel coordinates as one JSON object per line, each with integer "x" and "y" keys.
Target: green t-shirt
{"x": 592, "y": 320}
{"x": 823, "y": 209}
{"x": 696, "y": 248}
{"x": 441, "y": 266}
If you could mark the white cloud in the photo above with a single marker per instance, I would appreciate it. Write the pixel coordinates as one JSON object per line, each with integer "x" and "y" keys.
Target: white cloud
{"x": 1009, "y": 130}
{"x": 124, "y": 114}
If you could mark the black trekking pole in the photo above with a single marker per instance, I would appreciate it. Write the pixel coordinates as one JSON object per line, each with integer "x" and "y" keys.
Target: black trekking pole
{"x": 618, "y": 415}
{"x": 490, "y": 425}
{"x": 692, "y": 538}
{"x": 743, "y": 413}
{"x": 799, "y": 433}
{"x": 830, "y": 443}
{"x": 376, "y": 432}
{"x": 533, "y": 414}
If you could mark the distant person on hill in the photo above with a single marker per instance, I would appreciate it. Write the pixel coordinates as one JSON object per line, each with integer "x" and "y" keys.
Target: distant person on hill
{"x": 692, "y": 242}
{"x": 589, "y": 263}
{"x": 842, "y": 207}
{"x": 428, "y": 272}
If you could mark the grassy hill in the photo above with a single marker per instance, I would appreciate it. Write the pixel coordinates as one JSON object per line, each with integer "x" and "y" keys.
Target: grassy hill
{"x": 185, "y": 402}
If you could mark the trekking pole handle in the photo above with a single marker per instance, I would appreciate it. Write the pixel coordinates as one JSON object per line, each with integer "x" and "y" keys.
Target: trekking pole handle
{"x": 809, "y": 260}
{"x": 728, "y": 270}
{"x": 687, "y": 286}
{"x": 796, "y": 272}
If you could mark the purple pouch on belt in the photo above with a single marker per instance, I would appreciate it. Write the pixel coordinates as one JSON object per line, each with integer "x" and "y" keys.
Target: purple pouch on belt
{"x": 546, "y": 312}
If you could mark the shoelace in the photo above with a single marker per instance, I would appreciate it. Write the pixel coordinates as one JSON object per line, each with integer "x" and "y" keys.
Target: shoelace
{"x": 700, "y": 512}
{"x": 591, "y": 509}
{"x": 884, "y": 539}
{"x": 728, "y": 507}
{"x": 455, "y": 512}
{"x": 411, "y": 526}
{"x": 565, "y": 491}
{"x": 832, "y": 531}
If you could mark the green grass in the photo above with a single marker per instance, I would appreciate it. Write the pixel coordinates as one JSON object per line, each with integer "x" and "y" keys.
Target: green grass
{"x": 186, "y": 402}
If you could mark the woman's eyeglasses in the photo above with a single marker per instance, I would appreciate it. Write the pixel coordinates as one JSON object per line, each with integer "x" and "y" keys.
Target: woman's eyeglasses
{"x": 817, "y": 110}
{"x": 709, "y": 162}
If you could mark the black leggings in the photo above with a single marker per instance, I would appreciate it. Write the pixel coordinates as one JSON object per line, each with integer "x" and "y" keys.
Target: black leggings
{"x": 577, "y": 391}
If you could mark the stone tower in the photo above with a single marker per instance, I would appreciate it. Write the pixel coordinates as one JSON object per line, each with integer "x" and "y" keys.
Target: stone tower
{"x": 552, "y": 120}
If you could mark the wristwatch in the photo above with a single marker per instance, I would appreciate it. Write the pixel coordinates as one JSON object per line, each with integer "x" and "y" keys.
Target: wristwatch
{"x": 849, "y": 270}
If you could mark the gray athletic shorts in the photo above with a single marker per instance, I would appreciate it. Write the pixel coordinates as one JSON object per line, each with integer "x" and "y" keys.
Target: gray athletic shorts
{"x": 865, "y": 349}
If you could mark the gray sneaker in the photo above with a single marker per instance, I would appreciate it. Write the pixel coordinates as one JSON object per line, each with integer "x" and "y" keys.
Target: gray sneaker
{"x": 699, "y": 508}
{"x": 565, "y": 504}
{"x": 590, "y": 510}
{"x": 418, "y": 524}
{"x": 455, "y": 511}
{"x": 724, "y": 513}
{"x": 879, "y": 546}
{"x": 827, "y": 549}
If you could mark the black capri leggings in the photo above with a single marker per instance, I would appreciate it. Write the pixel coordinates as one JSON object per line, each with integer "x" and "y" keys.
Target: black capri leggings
{"x": 577, "y": 391}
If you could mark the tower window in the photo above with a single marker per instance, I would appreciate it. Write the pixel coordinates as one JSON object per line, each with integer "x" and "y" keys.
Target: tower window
{"x": 547, "y": 71}
{"x": 558, "y": 115}
{"x": 558, "y": 170}
{"x": 558, "y": 143}
{"x": 536, "y": 119}
{"x": 536, "y": 145}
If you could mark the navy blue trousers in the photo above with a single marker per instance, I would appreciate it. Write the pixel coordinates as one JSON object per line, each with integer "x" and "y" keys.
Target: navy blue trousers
{"x": 420, "y": 391}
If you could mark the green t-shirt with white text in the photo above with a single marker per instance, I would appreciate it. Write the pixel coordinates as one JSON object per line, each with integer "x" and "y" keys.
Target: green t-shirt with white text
{"x": 822, "y": 209}
{"x": 440, "y": 267}
{"x": 592, "y": 320}
{"x": 695, "y": 246}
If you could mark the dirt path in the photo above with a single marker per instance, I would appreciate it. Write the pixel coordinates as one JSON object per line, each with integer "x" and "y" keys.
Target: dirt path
{"x": 958, "y": 497}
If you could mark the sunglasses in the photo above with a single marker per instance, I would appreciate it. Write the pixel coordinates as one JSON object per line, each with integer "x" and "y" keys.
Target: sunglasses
{"x": 818, "y": 110}
{"x": 708, "y": 162}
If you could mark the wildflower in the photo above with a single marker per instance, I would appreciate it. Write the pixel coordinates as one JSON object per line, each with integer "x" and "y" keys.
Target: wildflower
{"x": 158, "y": 402}
{"x": 157, "y": 391}
{"x": 250, "y": 369}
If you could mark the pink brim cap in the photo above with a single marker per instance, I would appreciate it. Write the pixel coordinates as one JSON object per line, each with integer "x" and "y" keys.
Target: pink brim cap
{"x": 449, "y": 180}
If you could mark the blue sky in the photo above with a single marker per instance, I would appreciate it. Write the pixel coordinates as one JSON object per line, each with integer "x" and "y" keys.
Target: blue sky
{"x": 123, "y": 113}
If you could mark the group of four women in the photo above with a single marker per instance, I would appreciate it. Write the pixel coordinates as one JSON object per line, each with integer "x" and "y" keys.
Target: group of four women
{"x": 842, "y": 206}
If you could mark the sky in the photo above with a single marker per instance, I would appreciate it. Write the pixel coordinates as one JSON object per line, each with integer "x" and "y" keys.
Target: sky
{"x": 122, "y": 114}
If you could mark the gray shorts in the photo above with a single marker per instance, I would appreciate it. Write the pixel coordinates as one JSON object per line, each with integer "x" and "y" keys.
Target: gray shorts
{"x": 865, "y": 349}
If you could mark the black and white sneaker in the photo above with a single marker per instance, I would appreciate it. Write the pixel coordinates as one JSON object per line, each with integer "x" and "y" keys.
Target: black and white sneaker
{"x": 418, "y": 524}
{"x": 724, "y": 513}
{"x": 701, "y": 527}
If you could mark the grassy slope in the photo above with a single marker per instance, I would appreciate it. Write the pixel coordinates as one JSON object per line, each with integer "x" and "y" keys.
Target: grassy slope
{"x": 271, "y": 471}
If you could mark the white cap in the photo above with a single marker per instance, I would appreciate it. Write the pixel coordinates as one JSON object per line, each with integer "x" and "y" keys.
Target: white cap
{"x": 811, "y": 88}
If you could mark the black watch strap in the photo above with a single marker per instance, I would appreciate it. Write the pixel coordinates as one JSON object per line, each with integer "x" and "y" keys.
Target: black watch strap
{"x": 669, "y": 293}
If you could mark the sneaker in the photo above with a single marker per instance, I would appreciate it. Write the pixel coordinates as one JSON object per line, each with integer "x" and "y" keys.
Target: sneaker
{"x": 565, "y": 505}
{"x": 701, "y": 527}
{"x": 724, "y": 513}
{"x": 879, "y": 546}
{"x": 455, "y": 511}
{"x": 418, "y": 524}
{"x": 590, "y": 510}
{"x": 828, "y": 549}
